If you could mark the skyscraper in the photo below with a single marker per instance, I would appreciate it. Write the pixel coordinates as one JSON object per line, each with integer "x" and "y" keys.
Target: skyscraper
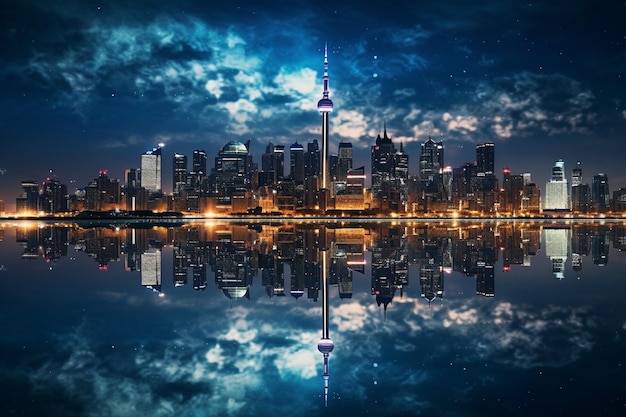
{"x": 557, "y": 193}
{"x": 199, "y": 162}
{"x": 273, "y": 161}
{"x": 344, "y": 160}
{"x": 196, "y": 178}
{"x": 600, "y": 195}
{"x": 233, "y": 170}
{"x": 431, "y": 165}
{"x": 28, "y": 201}
{"x": 296, "y": 163}
{"x": 151, "y": 170}
{"x": 485, "y": 158}
{"x": 54, "y": 197}
{"x": 580, "y": 191}
{"x": 383, "y": 153}
{"x": 180, "y": 173}
{"x": 312, "y": 159}
{"x": 577, "y": 175}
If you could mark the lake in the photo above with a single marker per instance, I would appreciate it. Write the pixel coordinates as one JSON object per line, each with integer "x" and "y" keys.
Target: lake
{"x": 224, "y": 319}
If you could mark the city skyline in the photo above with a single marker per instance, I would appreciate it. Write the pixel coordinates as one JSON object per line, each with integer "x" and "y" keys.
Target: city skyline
{"x": 89, "y": 87}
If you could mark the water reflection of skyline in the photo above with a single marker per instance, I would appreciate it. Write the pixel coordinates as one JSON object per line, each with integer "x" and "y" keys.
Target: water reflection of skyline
{"x": 468, "y": 316}
{"x": 286, "y": 256}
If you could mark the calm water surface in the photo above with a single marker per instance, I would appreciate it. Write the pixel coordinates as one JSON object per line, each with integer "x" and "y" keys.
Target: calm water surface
{"x": 469, "y": 319}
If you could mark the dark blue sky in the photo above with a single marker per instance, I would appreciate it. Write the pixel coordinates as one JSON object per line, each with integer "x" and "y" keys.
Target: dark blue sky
{"x": 88, "y": 85}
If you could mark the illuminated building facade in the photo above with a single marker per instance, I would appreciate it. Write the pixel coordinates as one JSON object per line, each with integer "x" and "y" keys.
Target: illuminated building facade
{"x": 389, "y": 171}
{"x": 28, "y": 201}
{"x": 557, "y": 192}
{"x": 180, "y": 174}
{"x": 151, "y": 170}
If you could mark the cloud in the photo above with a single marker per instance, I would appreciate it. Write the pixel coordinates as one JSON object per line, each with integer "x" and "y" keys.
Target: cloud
{"x": 463, "y": 124}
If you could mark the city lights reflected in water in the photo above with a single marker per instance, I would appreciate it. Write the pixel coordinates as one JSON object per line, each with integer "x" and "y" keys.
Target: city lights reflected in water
{"x": 453, "y": 318}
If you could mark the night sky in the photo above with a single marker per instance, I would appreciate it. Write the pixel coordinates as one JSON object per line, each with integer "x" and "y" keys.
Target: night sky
{"x": 87, "y": 85}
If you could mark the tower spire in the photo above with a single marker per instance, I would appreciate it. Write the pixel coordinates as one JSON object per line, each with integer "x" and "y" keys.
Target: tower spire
{"x": 325, "y": 95}
{"x": 325, "y": 106}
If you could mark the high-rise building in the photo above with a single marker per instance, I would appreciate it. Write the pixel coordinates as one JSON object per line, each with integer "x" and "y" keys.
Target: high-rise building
{"x": 401, "y": 167}
{"x": 233, "y": 170}
{"x": 431, "y": 166}
{"x": 485, "y": 158}
{"x": 619, "y": 200}
{"x": 296, "y": 163}
{"x": 577, "y": 175}
{"x": 196, "y": 178}
{"x": 600, "y": 195}
{"x": 557, "y": 192}
{"x": 54, "y": 197}
{"x": 180, "y": 173}
{"x": 344, "y": 160}
{"x": 151, "y": 170}
{"x": 580, "y": 191}
{"x": 382, "y": 162}
{"x": 531, "y": 198}
{"x": 199, "y": 162}
{"x": 512, "y": 192}
{"x": 312, "y": 160}
{"x": 273, "y": 162}
{"x": 28, "y": 201}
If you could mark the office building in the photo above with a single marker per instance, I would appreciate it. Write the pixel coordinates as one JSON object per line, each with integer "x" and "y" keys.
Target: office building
{"x": 296, "y": 163}
{"x": 273, "y": 162}
{"x": 180, "y": 174}
{"x": 232, "y": 172}
{"x": 151, "y": 170}
{"x": 600, "y": 195}
{"x": 557, "y": 192}
{"x": 28, "y": 201}
{"x": 580, "y": 191}
{"x": 431, "y": 169}
{"x": 344, "y": 160}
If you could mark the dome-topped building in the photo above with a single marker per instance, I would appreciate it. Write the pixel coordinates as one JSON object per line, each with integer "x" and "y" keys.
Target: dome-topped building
{"x": 234, "y": 147}
{"x": 233, "y": 171}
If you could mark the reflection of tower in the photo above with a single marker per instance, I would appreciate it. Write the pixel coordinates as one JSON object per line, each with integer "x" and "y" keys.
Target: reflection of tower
{"x": 325, "y": 345}
{"x": 432, "y": 270}
{"x": 325, "y": 106}
{"x": 600, "y": 247}
{"x": 151, "y": 269}
{"x": 556, "y": 249}
{"x": 389, "y": 265}
{"x": 581, "y": 243}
